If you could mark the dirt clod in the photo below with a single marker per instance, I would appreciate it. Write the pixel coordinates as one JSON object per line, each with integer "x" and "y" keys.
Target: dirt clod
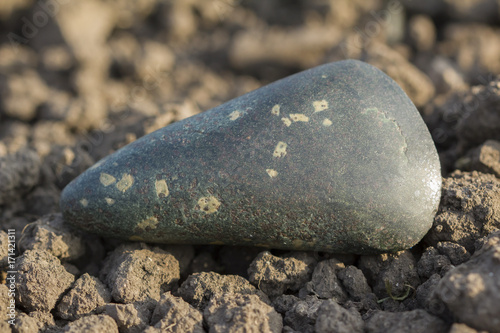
{"x": 398, "y": 270}
{"x": 303, "y": 314}
{"x": 325, "y": 283}
{"x": 354, "y": 282}
{"x": 86, "y": 295}
{"x": 92, "y": 323}
{"x": 334, "y": 318}
{"x": 38, "y": 289}
{"x": 416, "y": 321}
{"x": 199, "y": 288}
{"x": 274, "y": 275}
{"x": 470, "y": 209}
{"x": 53, "y": 235}
{"x": 432, "y": 263}
{"x": 472, "y": 290}
{"x": 246, "y": 313}
{"x": 130, "y": 318}
{"x": 18, "y": 174}
{"x": 139, "y": 274}
{"x": 486, "y": 158}
{"x": 177, "y": 315}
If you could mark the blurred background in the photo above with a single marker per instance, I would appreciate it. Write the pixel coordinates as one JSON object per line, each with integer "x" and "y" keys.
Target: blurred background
{"x": 80, "y": 79}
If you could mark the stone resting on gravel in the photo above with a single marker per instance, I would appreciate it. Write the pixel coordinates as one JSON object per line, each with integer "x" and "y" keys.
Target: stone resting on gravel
{"x": 335, "y": 158}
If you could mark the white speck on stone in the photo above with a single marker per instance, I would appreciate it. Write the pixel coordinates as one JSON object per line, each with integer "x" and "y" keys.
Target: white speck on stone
{"x": 109, "y": 201}
{"x": 320, "y": 105}
{"x": 327, "y": 122}
{"x": 234, "y": 115}
{"x": 280, "y": 149}
{"x": 161, "y": 188}
{"x": 125, "y": 183}
{"x": 272, "y": 173}
{"x": 106, "y": 179}
{"x": 276, "y": 110}
{"x": 209, "y": 204}
{"x": 286, "y": 121}
{"x": 299, "y": 117}
{"x": 84, "y": 202}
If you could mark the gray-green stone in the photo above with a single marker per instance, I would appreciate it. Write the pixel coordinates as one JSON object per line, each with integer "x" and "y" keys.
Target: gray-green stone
{"x": 335, "y": 158}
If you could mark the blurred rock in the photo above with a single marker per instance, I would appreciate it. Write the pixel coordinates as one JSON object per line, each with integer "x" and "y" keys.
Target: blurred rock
{"x": 21, "y": 94}
{"x": 421, "y": 33}
{"x": 474, "y": 47}
{"x": 485, "y": 158}
{"x": 19, "y": 172}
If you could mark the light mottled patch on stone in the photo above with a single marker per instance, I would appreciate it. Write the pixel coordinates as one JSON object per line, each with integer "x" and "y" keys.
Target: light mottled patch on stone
{"x": 234, "y": 115}
{"x": 147, "y": 224}
{"x": 125, "y": 183}
{"x": 280, "y": 149}
{"x": 135, "y": 238}
{"x": 299, "y": 117}
{"x": 320, "y": 105}
{"x": 109, "y": 201}
{"x": 208, "y": 204}
{"x": 84, "y": 202}
{"x": 161, "y": 188}
{"x": 276, "y": 110}
{"x": 272, "y": 173}
{"x": 382, "y": 117}
{"x": 286, "y": 121}
{"x": 327, "y": 122}
{"x": 106, "y": 179}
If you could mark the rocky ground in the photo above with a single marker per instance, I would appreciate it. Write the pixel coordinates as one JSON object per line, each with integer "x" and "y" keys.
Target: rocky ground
{"x": 80, "y": 79}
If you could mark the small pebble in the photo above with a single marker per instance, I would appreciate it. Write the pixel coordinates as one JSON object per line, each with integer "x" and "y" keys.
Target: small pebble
{"x": 335, "y": 158}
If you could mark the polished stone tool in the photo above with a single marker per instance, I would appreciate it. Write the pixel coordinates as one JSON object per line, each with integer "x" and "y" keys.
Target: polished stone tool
{"x": 335, "y": 158}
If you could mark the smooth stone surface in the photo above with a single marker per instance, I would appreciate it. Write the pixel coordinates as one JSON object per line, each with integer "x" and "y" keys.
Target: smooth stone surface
{"x": 335, "y": 158}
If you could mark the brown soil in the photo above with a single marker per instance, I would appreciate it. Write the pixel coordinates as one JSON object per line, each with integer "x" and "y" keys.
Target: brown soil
{"x": 80, "y": 79}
